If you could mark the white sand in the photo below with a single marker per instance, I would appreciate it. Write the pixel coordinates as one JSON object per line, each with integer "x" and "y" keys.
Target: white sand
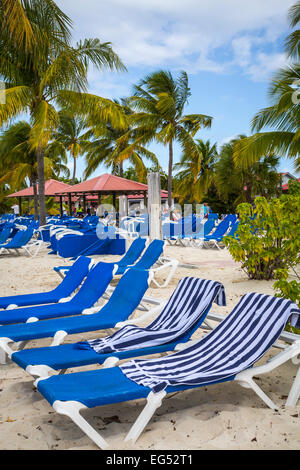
{"x": 223, "y": 416}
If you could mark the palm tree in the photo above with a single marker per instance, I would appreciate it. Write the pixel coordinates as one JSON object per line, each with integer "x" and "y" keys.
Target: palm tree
{"x": 19, "y": 161}
{"x": 159, "y": 101}
{"x": 71, "y": 136}
{"x": 112, "y": 146}
{"x": 51, "y": 73}
{"x": 292, "y": 42}
{"x": 196, "y": 172}
{"x": 261, "y": 178}
{"x": 283, "y": 114}
{"x": 17, "y": 24}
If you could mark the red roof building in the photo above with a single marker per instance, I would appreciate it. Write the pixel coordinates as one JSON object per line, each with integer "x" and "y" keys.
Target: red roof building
{"x": 106, "y": 184}
{"x": 51, "y": 188}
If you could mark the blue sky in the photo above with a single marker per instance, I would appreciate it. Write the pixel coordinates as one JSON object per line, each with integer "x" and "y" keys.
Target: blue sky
{"x": 229, "y": 48}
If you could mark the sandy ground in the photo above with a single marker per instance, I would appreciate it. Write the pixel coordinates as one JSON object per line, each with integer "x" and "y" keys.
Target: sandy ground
{"x": 223, "y": 416}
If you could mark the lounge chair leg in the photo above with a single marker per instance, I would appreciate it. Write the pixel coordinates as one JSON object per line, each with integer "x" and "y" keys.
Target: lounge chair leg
{"x": 72, "y": 409}
{"x": 154, "y": 401}
{"x": 249, "y": 383}
{"x": 294, "y": 391}
{"x": 40, "y": 371}
{"x": 3, "y": 357}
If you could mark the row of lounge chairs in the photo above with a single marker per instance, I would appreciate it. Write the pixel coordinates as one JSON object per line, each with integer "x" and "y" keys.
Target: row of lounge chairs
{"x": 227, "y": 353}
{"x": 69, "y": 237}
{"x": 187, "y": 231}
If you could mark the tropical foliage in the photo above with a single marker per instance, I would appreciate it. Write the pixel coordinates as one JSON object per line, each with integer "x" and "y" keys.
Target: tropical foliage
{"x": 50, "y": 73}
{"x": 267, "y": 242}
{"x": 283, "y": 114}
{"x": 112, "y": 146}
{"x": 288, "y": 279}
{"x": 159, "y": 100}
{"x": 71, "y": 137}
{"x": 196, "y": 172}
{"x": 261, "y": 178}
{"x": 19, "y": 162}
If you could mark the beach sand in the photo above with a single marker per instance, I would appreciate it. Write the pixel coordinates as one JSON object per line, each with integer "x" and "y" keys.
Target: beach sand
{"x": 223, "y": 416}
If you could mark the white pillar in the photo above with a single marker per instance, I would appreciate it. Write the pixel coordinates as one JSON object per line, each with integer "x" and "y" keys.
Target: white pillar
{"x": 154, "y": 206}
{"x": 123, "y": 206}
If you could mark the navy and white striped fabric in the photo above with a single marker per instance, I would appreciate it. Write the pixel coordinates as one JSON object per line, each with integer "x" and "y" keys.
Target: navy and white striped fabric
{"x": 188, "y": 303}
{"x": 234, "y": 345}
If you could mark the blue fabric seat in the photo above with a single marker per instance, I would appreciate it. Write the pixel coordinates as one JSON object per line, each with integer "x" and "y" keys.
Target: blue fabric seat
{"x": 72, "y": 281}
{"x": 92, "y": 289}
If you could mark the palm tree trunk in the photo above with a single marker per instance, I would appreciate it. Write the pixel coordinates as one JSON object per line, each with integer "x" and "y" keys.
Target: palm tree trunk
{"x": 170, "y": 174}
{"x": 35, "y": 199}
{"x": 74, "y": 170}
{"x": 121, "y": 170}
{"x": 41, "y": 178}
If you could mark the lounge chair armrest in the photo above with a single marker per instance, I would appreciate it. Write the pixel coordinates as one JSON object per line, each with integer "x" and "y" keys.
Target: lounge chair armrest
{"x": 166, "y": 264}
{"x": 11, "y": 307}
{"x": 63, "y": 300}
{"x": 280, "y": 358}
{"x": 91, "y": 310}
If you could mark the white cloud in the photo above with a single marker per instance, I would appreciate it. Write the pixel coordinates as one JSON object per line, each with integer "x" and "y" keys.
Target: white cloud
{"x": 264, "y": 65}
{"x": 196, "y": 35}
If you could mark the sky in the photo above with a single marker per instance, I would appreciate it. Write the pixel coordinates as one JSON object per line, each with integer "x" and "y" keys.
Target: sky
{"x": 229, "y": 48}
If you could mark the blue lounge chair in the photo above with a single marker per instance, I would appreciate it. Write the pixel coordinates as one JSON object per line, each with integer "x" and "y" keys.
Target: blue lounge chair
{"x": 22, "y": 240}
{"x": 124, "y": 300}
{"x": 92, "y": 289}
{"x": 133, "y": 253}
{"x": 182, "y": 315}
{"x": 227, "y": 353}
{"x": 217, "y": 236}
{"x": 72, "y": 281}
{"x": 151, "y": 259}
{"x": 206, "y": 228}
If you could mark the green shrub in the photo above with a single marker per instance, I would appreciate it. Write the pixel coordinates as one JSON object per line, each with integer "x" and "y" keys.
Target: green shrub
{"x": 268, "y": 241}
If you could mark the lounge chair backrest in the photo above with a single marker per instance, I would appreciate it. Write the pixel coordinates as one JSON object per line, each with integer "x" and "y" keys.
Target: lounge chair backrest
{"x": 235, "y": 344}
{"x": 134, "y": 252}
{"x": 74, "y": 276}
{"x": 186, "y": 307}
{"x": 208, "y": 226}
{"x": 233, "y": 229}
{"x": 127, "y": 295}
{"x": 21, "y": 238}
{"x": 221, "y": 229}
{"x": 91, "y": 290}
{"x": 5, "y": 234}
{"x": 151, "y": 255}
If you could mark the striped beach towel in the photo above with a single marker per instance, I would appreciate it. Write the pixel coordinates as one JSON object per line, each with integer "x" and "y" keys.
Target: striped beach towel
{"x": 188, "y": 303}
{"x": 234, "y": 345}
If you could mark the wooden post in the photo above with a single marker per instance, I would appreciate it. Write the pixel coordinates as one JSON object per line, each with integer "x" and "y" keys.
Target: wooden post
{"x": 20, "y": 206}
{"x": 84, "y": 204}
{"x": 123, "y": 206}
{"x": 154, "y": 206}
{"x": 70, "y": 203}
{"x": 61, "y": 205}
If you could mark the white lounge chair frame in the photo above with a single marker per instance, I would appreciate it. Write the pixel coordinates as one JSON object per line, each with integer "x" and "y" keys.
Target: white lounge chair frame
{"x": 245, "y": 379}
